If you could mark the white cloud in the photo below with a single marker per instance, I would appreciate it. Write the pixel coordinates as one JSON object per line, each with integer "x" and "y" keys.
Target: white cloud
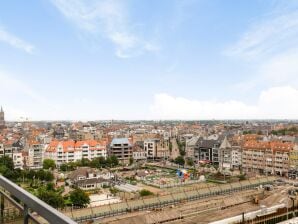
{"x": 279, "y": 102}
{"x": 268, "y": 35}
{"x": 276, "y": 102}
{"x": 271, "y": 44}
{"x": 281, "y": 69}
{"x": 15, "y": 42}
{"x": 108, "y": 18}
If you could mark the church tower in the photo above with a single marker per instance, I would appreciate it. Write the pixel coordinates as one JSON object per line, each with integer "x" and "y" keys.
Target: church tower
{"x": 2, "y": 121}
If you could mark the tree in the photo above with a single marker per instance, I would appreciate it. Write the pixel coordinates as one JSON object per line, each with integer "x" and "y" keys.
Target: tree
{"x": 7, "y": 162}
{"x": 98, "y": 162}
{"x": 180, "y": 160}
{"x": 83, "y": 162}
{"x": 145, "y": 192}
{"x": 79, "y": 198}
{"x": 49, "y": 164}
{"x": 189, "y": 162}
{"x": 131, "y": 160}
{"x": 51, "y": 197}
{"x": 64, "y": 167}
{"x": 112, "y": 161}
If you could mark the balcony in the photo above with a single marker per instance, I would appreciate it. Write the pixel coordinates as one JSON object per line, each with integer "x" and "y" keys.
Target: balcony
{"x": 28, "y": 204}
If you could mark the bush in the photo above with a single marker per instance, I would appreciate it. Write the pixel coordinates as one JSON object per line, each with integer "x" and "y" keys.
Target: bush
{"x": 79, "y": 198}
{"x": 145, "y": 192}
{"x": 49, "y": 164}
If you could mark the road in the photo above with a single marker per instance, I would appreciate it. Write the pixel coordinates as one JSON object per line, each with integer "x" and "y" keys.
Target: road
{"x": 175, "y": 149}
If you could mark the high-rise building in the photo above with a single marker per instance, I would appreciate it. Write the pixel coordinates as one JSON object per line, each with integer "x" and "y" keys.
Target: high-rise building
{"x": 2, "y": 121}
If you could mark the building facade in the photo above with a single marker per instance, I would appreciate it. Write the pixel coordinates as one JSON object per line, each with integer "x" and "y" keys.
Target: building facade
{"x": 207, "y": 151}
{"x": 271, "y": 158}
{"x": 71, "y": 151}
{"x": 156, "y": 148}
{"x": 121, "y": 148}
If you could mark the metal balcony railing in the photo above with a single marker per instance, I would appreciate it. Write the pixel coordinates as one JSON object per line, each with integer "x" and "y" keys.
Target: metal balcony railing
{"x": 30, "y": 203}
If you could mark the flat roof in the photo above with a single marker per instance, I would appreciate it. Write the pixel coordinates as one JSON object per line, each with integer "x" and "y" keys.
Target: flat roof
{"x": 120, "y": 141}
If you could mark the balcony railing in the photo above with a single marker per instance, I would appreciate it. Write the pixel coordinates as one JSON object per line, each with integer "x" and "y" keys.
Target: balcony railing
{"x": 29, "y": 203}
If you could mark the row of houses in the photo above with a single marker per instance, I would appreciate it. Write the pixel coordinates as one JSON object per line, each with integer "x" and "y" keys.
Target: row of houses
{"x": 252, "y": 155}
{"x": 65, "y": 151}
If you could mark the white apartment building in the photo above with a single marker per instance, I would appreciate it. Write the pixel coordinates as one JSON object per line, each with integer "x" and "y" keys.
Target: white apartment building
{"x": 150, "y": 147}
{"x": 70, "y": 151}
{"x": 236, "y": 157}
{"x": 18, "y": 160}
{"x": 35, "y": 155}
{"x": 156, "y": 148}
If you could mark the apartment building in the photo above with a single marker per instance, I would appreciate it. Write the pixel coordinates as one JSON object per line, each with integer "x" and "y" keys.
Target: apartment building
{"x": 236, "y": 157}
{"x": 229, "y": 156}
{"x": 18, "y": 160}
{"x": 35, "y": 155}
{"x": 156, "y": 148}
{"x": 121, "y": 148}
{"x": 190, "y": 145}
{"x": 293, "y": 160}
{"x": 207, "y": 150}
{"x": 138, "y": 152}
{"x": 7, "y": 149}
{"x": 225, "y": 155}
{"x": 266, "y": 157}
{"x": 70, "y": 151}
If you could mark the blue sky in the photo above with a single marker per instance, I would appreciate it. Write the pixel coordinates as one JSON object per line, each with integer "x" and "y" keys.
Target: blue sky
{"x": 137, "y": 59}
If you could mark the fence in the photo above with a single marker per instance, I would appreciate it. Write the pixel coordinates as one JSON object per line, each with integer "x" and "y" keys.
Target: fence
{"x": 165, "y": 200}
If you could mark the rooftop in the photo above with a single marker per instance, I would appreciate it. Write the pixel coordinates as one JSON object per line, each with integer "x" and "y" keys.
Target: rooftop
{"x": 120, "y": 141}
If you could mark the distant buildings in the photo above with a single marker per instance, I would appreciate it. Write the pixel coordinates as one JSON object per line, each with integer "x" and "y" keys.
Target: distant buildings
{"x": 246, "y": 146}
{"x": 2, "y": 120}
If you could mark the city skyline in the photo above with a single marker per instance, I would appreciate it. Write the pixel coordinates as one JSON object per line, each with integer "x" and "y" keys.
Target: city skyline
{"x": 140, "y": 60}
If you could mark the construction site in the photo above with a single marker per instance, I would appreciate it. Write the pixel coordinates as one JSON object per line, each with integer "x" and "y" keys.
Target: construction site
{"x": 240, "y": 202}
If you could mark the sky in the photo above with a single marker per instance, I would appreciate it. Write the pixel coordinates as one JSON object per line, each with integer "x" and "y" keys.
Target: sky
{"x": 139, "y": 59}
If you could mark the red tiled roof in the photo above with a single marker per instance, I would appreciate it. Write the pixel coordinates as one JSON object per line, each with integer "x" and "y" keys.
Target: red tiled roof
{"x": 71, "y": 145}
{"x": 274, "y": 145}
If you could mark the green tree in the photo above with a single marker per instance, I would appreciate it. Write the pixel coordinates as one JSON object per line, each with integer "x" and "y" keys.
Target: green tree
{"x": 79, "y": 198}
{"x": 83, "y": 162}
{"x": 131, "y": 160}
{"x": 180, "y": 160}
{"x": 49, "y": 164}
{"x": 145, "y": 192}
{"x": 63, "y": 167}
{"x": 112, "y": 161}
{"x": 51, "y": 197}
{"x": 7, "y": 162}
{"x": 98, "y": 162}
{"x": 189, "y": 162}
